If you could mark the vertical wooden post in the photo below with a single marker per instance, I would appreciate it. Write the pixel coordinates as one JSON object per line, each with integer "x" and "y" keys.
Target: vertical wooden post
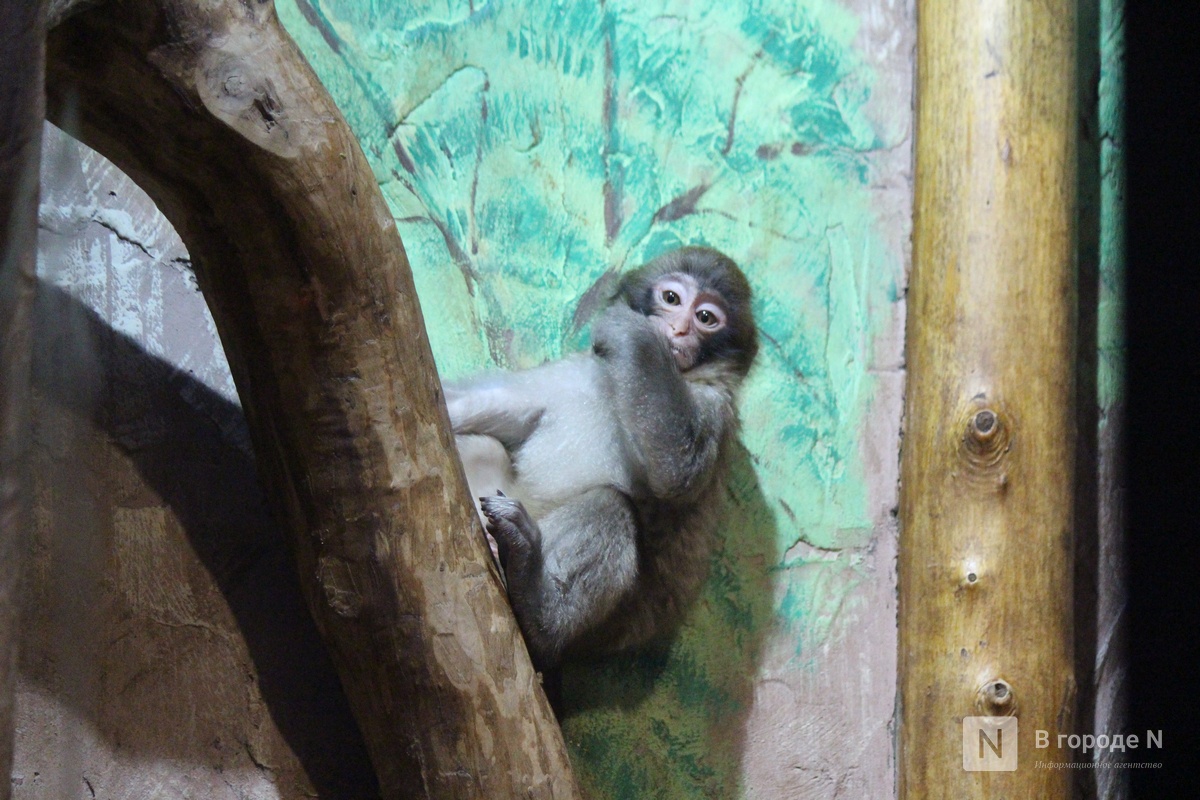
{"x": 22, "y": 66}
{"x": 988, "y": 458}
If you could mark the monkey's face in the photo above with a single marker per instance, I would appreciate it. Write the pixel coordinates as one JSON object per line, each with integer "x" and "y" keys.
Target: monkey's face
{"x": 686, "y": 315}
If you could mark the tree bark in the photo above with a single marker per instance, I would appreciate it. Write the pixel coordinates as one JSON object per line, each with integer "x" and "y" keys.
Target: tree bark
{"x": 211, "y": 108}
{"x": 22, "y": 65}
{"x": 988, "y": 459}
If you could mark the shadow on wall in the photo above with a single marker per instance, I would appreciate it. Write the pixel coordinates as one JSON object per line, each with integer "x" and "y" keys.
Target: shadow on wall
{"x": 672, "y": 721}
{"x": 190, "y": 447}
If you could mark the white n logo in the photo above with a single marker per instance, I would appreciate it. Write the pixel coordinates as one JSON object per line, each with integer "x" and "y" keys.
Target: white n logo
{"x": 996, "y": 747}
{"x": 983, "y": 744}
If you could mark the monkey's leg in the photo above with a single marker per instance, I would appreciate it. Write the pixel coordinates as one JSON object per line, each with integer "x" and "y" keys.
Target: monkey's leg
{"x": 566, "y": 575}
{"x": 493, "y": 409}
{"x": 489, "y": 471}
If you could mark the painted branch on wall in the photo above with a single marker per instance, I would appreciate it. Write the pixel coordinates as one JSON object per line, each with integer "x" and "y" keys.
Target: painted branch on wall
{"x": 210, "y": 107}
{"x": 988, "y": 455}
{"x": 22, "y": 61}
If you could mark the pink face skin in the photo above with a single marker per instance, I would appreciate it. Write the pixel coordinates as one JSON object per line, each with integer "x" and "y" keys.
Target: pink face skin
{"x": 686, "y": 316}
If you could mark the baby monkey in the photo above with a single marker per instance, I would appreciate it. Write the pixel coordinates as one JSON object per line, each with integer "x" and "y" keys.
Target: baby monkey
{"x": 600, "y": 476}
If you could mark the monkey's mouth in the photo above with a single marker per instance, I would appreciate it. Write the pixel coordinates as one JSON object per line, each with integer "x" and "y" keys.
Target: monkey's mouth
{"x": 683, "y": 358}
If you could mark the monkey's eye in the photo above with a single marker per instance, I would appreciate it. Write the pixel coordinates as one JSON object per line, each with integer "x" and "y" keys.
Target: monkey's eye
{"x": 670, "y": 297}
{"x": 710, "y": 316}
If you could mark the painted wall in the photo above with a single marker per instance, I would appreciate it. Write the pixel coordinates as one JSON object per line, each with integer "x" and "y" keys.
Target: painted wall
{"x": 1111, "y": 660}
{"x": 531, "y": 150}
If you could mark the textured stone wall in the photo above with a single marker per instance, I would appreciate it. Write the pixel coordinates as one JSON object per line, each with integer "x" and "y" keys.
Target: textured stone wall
{"x": 167, "y": 650}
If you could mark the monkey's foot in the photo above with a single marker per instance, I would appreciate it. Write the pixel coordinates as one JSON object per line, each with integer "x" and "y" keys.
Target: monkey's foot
{"x": 511, "y": 526}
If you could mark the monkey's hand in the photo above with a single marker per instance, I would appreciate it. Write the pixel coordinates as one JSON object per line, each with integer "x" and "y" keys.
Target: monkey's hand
{"x": 672, "y": 429}
{"x": 517, "y": 536}
{"x": 622, "y": 333}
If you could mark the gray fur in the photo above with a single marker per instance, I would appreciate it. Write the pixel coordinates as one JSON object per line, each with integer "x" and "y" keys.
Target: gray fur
{"x": 611, "y": 465}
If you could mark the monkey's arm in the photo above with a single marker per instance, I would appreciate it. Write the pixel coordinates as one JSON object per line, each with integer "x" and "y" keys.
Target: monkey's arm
{"x": 566, "y": 582}
{"x": 672, "y": 429}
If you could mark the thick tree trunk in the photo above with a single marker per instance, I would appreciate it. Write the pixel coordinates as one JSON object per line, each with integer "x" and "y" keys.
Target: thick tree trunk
{"x": 22, "y": 62}
{"x": 211, "y": 108}
{"x": 988, "y": 456}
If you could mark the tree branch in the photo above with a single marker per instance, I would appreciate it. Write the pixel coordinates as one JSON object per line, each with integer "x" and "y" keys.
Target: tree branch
{"x": 211, "y": 108}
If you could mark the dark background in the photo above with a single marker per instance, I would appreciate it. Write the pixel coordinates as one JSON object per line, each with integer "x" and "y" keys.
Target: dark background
{"x": 1163, "y": 443}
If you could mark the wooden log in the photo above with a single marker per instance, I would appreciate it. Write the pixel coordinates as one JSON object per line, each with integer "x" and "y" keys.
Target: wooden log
{"x": 22, "y": 64}
{"x": 987, "y": 467}
{"x": 211, "y": 108}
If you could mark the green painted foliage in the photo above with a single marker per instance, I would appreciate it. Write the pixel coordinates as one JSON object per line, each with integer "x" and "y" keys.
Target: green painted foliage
{"x": 529, "y": 151}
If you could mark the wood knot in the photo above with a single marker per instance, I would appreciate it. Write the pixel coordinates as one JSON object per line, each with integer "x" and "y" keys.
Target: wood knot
{"x": 971, "y": 575}
{"x": 983, "y": 424}
{"x": 986, "y": 440}
{"x": 995, "y": 698}
{"x": 970, "y": 580}
{"x": 234, "y": 82}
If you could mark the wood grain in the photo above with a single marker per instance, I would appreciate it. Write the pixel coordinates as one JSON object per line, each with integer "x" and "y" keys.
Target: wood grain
{"x": 987, "y": 468}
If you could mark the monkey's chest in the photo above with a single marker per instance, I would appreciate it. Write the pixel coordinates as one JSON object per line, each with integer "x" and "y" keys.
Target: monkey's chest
{"x": 569, "y": 454}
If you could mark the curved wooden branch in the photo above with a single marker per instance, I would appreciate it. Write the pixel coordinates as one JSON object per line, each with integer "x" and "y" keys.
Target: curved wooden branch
{"x": 211, "y": 108}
